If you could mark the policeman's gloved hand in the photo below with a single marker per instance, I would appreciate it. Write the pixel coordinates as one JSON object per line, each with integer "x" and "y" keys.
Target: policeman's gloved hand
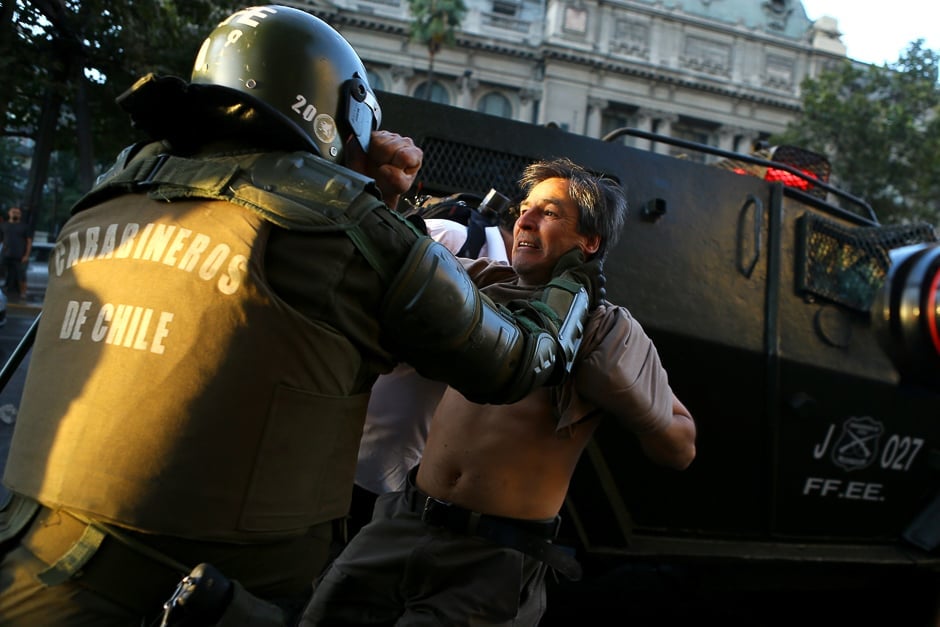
{"x": 570, "y": 259}
{"x": 589, "y": 274}
{"x": 564, "y": 307}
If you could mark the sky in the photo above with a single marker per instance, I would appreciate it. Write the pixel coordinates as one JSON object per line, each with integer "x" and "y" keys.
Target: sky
{"x": 879, "y": 32}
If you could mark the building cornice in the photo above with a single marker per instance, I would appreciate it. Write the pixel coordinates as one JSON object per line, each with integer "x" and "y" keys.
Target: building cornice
{"x": 552, "y": 52}
{"x": 659, "y": 75}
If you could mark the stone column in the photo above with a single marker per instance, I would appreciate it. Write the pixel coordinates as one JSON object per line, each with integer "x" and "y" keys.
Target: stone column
{"x": 528, "y": 97}
{"x": 644, "y": 122}
{"x": 746, "y": 143}
{"x": 466, "y": 85}
{"x": 592, "y": 121}
{"x": 664, "y": 127}
{"x": 727, "y": 135}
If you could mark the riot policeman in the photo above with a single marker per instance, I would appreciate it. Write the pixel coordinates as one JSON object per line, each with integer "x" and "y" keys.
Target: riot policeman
{"x": 218, "y": 308}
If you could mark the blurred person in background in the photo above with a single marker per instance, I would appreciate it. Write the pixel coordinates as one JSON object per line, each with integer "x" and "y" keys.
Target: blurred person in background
{"x": 17, "y": 240}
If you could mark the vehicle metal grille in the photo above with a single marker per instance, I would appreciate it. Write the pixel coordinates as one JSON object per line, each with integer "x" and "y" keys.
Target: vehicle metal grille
{"x": 848, "y": 265}
{"x": 450, "y": 167}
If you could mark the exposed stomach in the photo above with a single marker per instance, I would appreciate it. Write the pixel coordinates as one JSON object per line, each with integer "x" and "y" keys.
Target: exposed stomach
{"x": 502, "y": 460}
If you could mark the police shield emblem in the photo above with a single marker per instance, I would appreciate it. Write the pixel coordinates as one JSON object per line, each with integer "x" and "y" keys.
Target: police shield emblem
{"x": 857, "y": 446}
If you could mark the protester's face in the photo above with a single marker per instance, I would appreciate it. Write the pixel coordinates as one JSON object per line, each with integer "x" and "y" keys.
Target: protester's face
{"x": 14, "y": 215}
{"x": 547, "y": 228}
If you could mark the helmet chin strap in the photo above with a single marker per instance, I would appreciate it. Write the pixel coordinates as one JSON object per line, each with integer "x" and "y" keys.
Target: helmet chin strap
{"x": 363, "y": 113}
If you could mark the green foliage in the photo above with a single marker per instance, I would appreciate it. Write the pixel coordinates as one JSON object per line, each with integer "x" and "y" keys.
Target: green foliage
{"x": 436, "y": 22}
{"x": 880, "y": 128}
{"x": 89, "y": 51}
{"x": 115, "y": 43}
{"x": 13, "y": 159}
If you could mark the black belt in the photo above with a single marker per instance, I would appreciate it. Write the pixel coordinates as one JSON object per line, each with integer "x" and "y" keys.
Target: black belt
{"x": 531, "y": 537}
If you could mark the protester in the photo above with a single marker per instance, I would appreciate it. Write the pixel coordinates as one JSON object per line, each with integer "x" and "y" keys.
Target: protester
{"x": 17, "y": 238}
{"x": 218, "y": 308}
{"x": 469, "y": 539}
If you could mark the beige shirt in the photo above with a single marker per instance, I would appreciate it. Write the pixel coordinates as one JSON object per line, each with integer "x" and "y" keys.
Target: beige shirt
{"x": 617, "y": 371}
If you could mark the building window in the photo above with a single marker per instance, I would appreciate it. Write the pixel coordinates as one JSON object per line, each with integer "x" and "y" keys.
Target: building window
{"x": 778, "y": 12}
{"x": 506, "y": 9}
{"x": 705, "y": 55}
{"x": 495, "y": 103}
{"x": 691, "y": 131}
{"x": 779, "y": 72}
{"x": 616, "y": 117}
{"x": 438, "y": 93}
{"x": 632, "y": 38}
{"x": 575, "y": 20}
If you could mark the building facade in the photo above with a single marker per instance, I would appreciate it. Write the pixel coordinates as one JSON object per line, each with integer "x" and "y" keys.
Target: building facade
{"x": 720, "y": 72}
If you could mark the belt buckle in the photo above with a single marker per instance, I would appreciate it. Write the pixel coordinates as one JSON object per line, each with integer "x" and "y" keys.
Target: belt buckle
{"x": 434, "y": 511}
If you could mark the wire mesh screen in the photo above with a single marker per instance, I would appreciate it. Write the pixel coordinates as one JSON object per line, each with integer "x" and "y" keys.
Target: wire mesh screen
{"x": 848, "y": 265}
{"x": 451, "y": 167}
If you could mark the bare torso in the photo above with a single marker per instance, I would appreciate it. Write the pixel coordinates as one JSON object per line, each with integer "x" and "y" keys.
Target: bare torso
{"x": 503, "y": 460}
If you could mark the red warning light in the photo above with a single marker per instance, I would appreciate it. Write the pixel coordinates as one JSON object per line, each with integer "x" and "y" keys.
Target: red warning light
{"x": 789, "y": 179}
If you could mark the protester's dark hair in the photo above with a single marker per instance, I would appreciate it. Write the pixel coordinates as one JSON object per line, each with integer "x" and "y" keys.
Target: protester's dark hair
{"x": 601, "y": 201}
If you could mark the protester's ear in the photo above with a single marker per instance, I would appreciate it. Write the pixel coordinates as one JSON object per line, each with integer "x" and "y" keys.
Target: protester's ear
{"x": 590, "y": 245}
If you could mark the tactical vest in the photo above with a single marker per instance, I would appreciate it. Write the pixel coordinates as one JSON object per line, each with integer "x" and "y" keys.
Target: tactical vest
{"x": 170, "y": 390}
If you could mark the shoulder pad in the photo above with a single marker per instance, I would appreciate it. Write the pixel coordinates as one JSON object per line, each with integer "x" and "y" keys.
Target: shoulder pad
{"x": 295, "y": 190}
{"x": 300, "y": 179}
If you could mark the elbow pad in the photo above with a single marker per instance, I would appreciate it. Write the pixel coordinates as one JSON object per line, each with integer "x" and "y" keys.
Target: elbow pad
{"x": 443, "y": 326}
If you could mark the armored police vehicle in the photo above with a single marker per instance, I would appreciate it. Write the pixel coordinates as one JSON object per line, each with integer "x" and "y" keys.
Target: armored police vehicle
{"x": 803, "y": 336}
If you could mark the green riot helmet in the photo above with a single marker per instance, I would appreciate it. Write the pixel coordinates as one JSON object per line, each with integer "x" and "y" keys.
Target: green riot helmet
{"x": 294, "y": 65}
